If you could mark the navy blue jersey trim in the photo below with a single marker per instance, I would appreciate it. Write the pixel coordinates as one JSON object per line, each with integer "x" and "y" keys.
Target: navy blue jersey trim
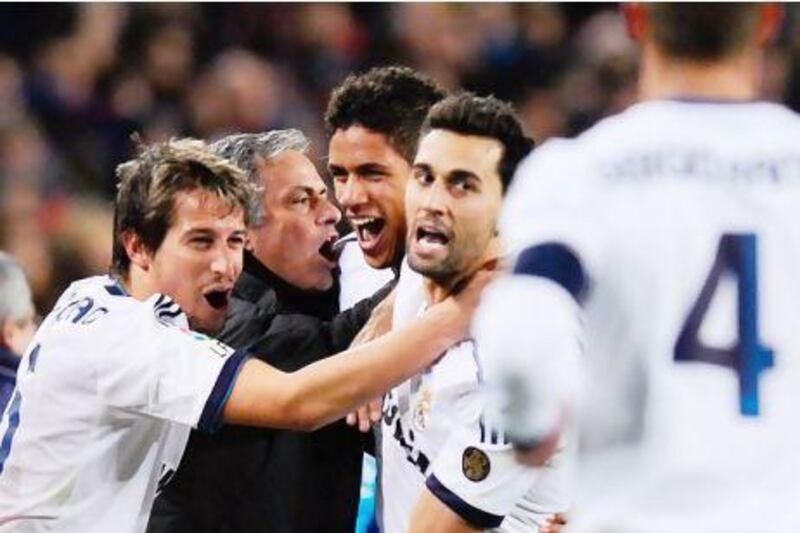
{"x": 476, "y": 517}
{"x": 210, "y": 420}
{"x": 168, "y": 313}
{"x": 557, "y": 263}
{"x": 116, "y": 289}
{"x": 13, "y": 424}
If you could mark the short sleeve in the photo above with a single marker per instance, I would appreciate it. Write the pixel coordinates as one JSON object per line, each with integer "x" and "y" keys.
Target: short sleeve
{"x": 151, "y": 367}
{"x": 475, "y": 473}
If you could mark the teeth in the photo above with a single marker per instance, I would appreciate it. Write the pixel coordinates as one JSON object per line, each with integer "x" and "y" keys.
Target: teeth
{"x": 367, "y": 227}
{"x": 363, "y": 221}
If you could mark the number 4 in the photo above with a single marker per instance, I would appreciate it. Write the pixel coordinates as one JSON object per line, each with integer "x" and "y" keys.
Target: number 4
{"x": 748, "y": 358}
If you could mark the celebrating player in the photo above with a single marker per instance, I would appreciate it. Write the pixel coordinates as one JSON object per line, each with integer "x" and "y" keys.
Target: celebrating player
{"x": 666, "y": 238}
{"x": 440, "y": 454}
{"x": 374, "y": 120}
{"x": 114, "y": 378}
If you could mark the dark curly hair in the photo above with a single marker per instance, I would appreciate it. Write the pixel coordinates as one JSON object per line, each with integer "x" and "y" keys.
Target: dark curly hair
{"x": 469, "y": 114}
{"x": 390, "y": 100}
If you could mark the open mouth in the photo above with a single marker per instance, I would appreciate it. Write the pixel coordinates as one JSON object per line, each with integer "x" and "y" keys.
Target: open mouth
{"x": 217, "y": 299}
{"x": 329, "y": 251}
{"x": 368, "y": 229}
{"x": 432, "y": 236}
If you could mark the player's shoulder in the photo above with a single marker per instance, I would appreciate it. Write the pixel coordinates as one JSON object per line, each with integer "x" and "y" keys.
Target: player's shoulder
{"x": 458, "y": 367}
{"x": 409, "y": 296}
{"x": 102, "y": 303}
{"x": 564, "y": 166}
{"x": 358, "y": 280}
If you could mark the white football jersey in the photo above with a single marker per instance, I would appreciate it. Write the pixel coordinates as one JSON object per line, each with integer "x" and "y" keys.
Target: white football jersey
{"x": 435, "y": 432}
{"x": 669, "y": 235}
{"x": 358, "y": 280}
{"x": 105, "y": 399}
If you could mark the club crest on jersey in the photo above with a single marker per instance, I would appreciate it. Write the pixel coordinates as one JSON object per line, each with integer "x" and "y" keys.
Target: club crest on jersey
{"x": 475, "y": 464}
{"x": 422, "y": 411}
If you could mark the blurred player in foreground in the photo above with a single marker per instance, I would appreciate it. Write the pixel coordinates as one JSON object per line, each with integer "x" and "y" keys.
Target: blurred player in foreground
{"x": 114, "y": 379}
{"x": 666, "y": 241}
{"x": 17, "y": 323}
{"x": 440, "y": 454}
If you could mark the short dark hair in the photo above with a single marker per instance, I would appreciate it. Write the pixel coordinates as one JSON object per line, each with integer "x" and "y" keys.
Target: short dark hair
{"x": 389, "y": 100}
{"x": 484, "y": 116}
{"x": 702, "y": 32}
{"x": 148, "y": 185}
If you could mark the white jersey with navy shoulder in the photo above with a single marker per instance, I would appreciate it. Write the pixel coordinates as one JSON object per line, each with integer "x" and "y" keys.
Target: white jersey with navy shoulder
{"x": 435, "y": 433}
{"x": 665, "y": 239}
{"x": 105, "y": 399}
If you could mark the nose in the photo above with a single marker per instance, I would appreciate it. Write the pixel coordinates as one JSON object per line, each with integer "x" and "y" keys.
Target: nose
{"x": 352, "y": 193}
{"x": 329, "y": 214}
{"x": 434, "y": 198}
{"x": 227, "y": 262}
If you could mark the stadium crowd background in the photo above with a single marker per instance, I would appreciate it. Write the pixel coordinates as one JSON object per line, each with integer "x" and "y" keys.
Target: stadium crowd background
{"x": 77, "y": 79}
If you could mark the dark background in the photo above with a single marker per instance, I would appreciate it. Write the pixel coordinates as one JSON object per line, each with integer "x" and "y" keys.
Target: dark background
{"x": 77, "y": 79}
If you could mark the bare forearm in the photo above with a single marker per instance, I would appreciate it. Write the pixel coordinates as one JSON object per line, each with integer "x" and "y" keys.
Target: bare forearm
{"x": 328, "y": 389}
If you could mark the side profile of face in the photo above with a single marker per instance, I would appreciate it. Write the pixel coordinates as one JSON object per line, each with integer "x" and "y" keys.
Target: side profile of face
{"x": 452, "y": 204}
{"x": 294, "y": 241}
{"x": 200, "y": 257}
{"x": 17, "y": 334}
{"x": 370, "y": 180}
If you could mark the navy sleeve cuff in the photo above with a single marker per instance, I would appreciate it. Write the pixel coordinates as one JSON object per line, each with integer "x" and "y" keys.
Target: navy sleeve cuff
{"x": 474, "y": 516}
{"x": 210, "y": 420}
{"x": 557, "y": 263}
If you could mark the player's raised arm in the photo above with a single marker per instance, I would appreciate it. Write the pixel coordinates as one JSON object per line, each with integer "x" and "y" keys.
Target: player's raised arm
{"x": 533, "y": 359}
{"x": 327, "y": 390}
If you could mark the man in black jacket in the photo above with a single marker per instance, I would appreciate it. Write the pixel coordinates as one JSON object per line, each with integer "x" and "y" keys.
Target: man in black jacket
{"x": 284, "y": 304}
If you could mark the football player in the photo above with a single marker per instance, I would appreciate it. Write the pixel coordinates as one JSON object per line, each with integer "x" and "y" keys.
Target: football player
{"x": 660, "y": 252}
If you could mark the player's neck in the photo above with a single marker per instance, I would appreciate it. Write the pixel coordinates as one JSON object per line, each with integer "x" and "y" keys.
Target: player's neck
{"x": 735, "y": 78}
{"x": 438, "y": 290}
{"x": 137, "y": 284}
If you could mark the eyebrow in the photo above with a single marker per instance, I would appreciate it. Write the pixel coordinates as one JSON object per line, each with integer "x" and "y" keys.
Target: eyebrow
{"x": 458, "y": 173}
{"x": 336, "y": 168}
{"x": 463, "y": 174}
{"x": 309, "y": 190}
{"x": 199, "y": 231}
{"x": 208, "y": 232}
{"x": 366, "y": 168}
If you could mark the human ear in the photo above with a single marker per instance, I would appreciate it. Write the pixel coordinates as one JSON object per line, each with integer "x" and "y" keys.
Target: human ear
{"x": 137, "y": 250}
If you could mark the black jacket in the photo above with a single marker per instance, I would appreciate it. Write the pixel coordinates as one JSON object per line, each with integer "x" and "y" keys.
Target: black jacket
{"x": 261, "y": 480}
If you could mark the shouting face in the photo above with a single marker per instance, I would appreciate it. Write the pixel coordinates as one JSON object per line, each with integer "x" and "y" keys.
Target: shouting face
{"x": 200, "y": 257}
{"x": 452, "y": 204}
{"x": 370, "y": 180}
{"x": 294, "y": 241}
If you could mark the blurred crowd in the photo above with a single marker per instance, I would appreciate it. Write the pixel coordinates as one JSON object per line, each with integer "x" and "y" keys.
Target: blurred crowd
{"x": 76, "y": 80}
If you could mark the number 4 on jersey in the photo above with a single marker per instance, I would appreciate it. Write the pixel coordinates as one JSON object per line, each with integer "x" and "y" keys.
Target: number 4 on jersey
{"x": 748, "y": 358}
